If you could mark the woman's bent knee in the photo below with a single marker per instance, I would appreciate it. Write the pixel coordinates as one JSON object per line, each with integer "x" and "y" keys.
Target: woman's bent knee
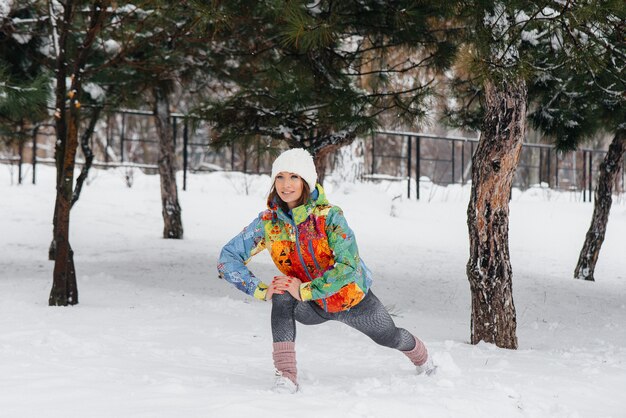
{"x": 283, "y": 298}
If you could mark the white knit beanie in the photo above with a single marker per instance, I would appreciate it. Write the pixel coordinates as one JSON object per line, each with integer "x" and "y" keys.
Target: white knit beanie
{"x": 298, "y": 161}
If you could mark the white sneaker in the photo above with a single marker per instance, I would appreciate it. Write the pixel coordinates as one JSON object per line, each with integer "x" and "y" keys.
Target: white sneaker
{"x": 284, "y": 384}
{"x": 427, "y": 368}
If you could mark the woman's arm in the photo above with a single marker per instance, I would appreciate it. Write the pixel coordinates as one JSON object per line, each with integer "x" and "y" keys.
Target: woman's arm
{"x": 236, "y": 254}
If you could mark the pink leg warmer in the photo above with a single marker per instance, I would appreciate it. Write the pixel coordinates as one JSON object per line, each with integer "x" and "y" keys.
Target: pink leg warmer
{"x": 418, "y": 355}
{"x": 284, "y": 356}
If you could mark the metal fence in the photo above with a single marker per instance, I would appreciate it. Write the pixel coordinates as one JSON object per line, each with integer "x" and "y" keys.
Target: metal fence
{"x": 128, "y": 139}
{"x": 418, "y": 157}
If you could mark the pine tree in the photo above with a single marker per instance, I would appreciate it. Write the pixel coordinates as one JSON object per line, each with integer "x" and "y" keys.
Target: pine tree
{"x": 154, "y": 50}
{"x": 505, "y": 49}
{"x": 493, "y": 166}
{"x": 143, "y": 53}
{"x": 581, "y": 94}
{"x": 496, "y": 58}
{"x": 130, "y": 51}
{"x": 71, "y": 60}
{"x": 295, "y": 68}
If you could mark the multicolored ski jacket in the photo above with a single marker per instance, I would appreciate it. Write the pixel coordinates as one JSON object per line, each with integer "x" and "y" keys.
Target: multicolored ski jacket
{"x": 313, "y": 243}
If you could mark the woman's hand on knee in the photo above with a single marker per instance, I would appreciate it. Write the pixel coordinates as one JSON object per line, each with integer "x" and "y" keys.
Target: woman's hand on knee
{"x": 271, "y": 291}
{"x": 277, "y": 287}
{"x": 282, "y": 284}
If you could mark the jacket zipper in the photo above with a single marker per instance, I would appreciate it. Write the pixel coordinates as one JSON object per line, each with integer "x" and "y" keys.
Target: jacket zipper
{"x": 306, "y": 270}
{"x": 319, "y": 270}
{"x": 317, "y": 266}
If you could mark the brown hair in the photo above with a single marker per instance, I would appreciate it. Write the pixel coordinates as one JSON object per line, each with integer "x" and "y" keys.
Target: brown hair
{"x": 304, "y": 197}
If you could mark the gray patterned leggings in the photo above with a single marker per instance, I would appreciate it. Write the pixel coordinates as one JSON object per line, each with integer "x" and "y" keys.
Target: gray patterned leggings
{"x": 369, "y": 316}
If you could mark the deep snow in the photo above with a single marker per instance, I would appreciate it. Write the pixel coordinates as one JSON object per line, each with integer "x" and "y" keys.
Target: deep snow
{"x": 157, "y": 334}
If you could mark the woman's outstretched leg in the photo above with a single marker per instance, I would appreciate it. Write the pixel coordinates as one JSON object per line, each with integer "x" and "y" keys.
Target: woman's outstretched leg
{"x": 371, "y": 318}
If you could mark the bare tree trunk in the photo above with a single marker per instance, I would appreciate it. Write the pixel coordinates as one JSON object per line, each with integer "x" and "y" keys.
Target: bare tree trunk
{"x": 60, "y": 41}
{"x": 609, "y": 170}
{"x": 20, "y": 149}
{"x": 64, "y": 287}
{"x": 325, "y": 147}
{"x": 172, "y": 219}
{"x": 493, "y": 167}
{"x": 321, "y": 161}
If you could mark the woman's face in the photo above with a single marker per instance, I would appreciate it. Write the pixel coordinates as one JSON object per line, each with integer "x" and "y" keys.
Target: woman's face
{"x": 289, "y": 187}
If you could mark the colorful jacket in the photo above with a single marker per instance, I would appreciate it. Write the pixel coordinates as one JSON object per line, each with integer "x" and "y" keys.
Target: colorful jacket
{"x": 313, "y": 243}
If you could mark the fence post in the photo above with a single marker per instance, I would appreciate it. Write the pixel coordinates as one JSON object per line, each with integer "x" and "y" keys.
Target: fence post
{"x": 549, "y": 167}
{"x": 453, "y": 157}
{"x": 185, "y": 142}
{"x": 35, "y": 131}
{"x": 373, "y": 154}
{"x": 590, "y": 173}
{"x": 463, "y": 162}
{"x": 232, "y": 156}
{"x": 108, "y": 137}
{"x": 122, "y": 137}
{"x": 623, "y": 169}
{"x": 258, "y": 155}
{"x": 540, "y": 166}
{"x": 408, "y": 169}
{"x": 418, "y": 147}
{"x": 556, "y": 170}
{"x": 584, "y": 176}
{"x": 20, "y": 147}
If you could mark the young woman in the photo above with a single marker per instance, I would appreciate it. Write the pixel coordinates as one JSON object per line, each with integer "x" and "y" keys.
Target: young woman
{"x": 323, "y": 276}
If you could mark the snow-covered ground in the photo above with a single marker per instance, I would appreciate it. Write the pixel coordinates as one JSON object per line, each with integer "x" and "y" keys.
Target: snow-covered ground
{"x": 157, "y": 334}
